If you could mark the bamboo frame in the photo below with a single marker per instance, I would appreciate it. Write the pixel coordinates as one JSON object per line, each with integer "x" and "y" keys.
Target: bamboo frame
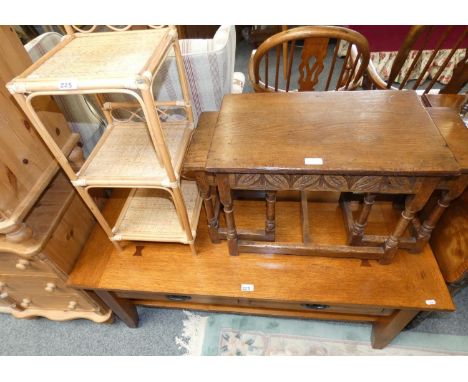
{"x": 137, "y": 85}
{"x": 72, "y": 29}
{"x": 126, "y": 78}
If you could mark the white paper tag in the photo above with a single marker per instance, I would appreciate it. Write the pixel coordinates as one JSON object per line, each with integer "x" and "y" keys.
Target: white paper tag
{"x": 313, "y": 161}
{"x": 247, "y": 287}
{"x": 68, "y": 85}
{"x": 430, "y": 302}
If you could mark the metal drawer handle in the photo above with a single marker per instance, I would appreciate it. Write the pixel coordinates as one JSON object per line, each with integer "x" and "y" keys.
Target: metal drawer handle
{"x": 315, "y": 306}
{"x": 174, "y": 297}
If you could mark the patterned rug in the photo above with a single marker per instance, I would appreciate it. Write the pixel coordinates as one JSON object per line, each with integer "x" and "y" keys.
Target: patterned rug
{"x": 226, "y": 334}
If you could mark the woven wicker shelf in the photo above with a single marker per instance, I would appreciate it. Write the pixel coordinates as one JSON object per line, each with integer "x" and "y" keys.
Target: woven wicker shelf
{"x": 76, "y": 62}
{"x": 150, "y": 215}
{"x": 125, "y": 156}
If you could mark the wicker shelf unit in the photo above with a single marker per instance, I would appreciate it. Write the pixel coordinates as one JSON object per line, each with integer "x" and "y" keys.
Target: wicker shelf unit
{"x": 143, "y": 154}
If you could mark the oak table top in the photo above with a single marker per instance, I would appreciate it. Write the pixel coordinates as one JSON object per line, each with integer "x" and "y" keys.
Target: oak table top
{"x": 362, "y": 132}
{"x": 454, "y": 131}
{"x": 453, "y": 101}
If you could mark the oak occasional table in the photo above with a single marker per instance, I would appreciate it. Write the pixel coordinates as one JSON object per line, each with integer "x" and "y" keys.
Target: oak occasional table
{"x": 379, "y": 142}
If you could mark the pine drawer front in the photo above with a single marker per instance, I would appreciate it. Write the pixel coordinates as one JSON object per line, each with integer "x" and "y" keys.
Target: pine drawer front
{"x": 245, "y": 302}
{"x": 45, "y": 293}
{"x": 69, "y": 237}
{"x": 14, "y": 265}
{"x": 43, "y": 285}
{"x": 72, "y": 302}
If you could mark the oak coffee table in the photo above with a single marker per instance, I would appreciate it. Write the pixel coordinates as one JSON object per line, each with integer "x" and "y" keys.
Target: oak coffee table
{"x": 371, "y": 142}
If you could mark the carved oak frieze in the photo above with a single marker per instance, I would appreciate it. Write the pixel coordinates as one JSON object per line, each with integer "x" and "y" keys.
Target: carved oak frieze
{"x": 351, "y": 183}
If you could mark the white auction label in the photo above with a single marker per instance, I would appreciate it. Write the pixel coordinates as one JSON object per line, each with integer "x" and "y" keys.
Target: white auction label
{"x": 313, "y": 161}
{"x": 68, "y": 85}
{"x": 430, "y": 302}
{"x": 247, "y": 287}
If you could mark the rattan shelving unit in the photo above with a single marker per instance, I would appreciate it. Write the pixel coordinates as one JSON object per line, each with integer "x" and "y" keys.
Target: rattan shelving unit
{"x": 143, "y": 153}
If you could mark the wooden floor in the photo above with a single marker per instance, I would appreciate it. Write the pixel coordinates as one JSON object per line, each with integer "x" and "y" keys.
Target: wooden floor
{"x": 411, "y": 281}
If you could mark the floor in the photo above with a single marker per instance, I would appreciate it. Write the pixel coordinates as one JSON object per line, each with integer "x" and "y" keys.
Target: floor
{"x": 158, "y": 327}
{"x": 156, "y": 335}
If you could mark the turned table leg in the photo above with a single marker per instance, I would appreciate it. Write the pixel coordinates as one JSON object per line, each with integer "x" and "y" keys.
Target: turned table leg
{"x": 226, "y": 199}
{"x": 122, "y": 307}
{"x": 386, "y": 328}
{"x": 413, "y": 204}
{"x": 360, "y": 224}
{"x": 270, "y": 215}
{"x": 456, "y": 189}
{"x": 207, "y": 195}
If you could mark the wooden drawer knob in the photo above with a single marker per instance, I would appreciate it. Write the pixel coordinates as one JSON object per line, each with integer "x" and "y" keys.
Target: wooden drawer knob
{"x": 26, "y": 303}
{"x": 72, "y": 305}
{"x": 22, "y": 264}
{"x": 50, "y": 287}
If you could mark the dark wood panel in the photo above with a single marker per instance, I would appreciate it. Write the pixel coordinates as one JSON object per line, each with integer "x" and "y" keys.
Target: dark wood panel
{"x": 195, "y": 159}
{"x": 454, "y": 101}
{"x": 449, "y": 240}
{"x": 453, "y": 130}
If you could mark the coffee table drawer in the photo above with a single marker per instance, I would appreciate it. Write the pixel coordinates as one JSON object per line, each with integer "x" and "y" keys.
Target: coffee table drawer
{"x": 255, "y": 303}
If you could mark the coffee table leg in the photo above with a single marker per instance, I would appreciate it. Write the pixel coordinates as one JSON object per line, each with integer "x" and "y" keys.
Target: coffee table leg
{"x": 122, "y": 307}
{"x": 413, "y": 204}
{"x": 386, "y": 328}
{"x": 270, "y": 215}
{"x": 226, "y": 199}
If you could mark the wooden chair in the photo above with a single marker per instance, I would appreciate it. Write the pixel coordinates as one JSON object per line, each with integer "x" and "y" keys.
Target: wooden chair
{"x": 316, "y": 43}
{"x": 313, "y": 47}
{"x": 411, "y": 54}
